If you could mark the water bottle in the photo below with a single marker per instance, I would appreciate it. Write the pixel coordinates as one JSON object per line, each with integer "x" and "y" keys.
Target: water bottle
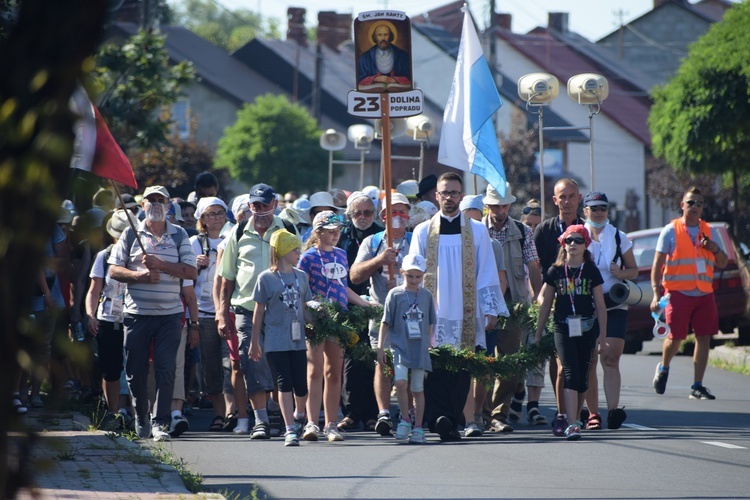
{"x": 661, "y": 328}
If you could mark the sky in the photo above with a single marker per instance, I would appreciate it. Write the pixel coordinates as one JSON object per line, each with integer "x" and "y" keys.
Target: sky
{"x": 590, "y": 18}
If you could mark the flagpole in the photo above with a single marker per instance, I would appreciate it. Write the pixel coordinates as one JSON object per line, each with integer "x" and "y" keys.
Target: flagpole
{"x": 130, "y": 220}
{"x": 385, "y": 104}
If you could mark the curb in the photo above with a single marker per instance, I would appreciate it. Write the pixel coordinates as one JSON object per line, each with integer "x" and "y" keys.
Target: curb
{"x": 734, "y": 355}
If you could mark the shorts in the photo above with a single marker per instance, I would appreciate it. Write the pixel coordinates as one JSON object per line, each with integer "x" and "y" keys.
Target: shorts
{"x": 699, "y": 312}
{"x": 374, "y": 331}
{"x": 617, "y": 323}
{"x": 257, "y": 373}
{"x": 401, "y": 372}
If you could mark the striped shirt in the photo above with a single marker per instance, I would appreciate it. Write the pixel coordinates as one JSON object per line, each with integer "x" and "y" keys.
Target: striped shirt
{"x": 153, "y": 299}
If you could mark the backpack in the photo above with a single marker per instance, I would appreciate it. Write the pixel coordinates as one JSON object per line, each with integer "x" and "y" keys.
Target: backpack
{"x": 176, "y": 237}
{"x": 239, "y": 228}
{"x": 377, "y": 241}
{"x": 521, "y": 227}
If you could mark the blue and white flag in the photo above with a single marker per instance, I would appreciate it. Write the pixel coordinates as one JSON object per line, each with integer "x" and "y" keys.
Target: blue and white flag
{"x": 468, "y": 140}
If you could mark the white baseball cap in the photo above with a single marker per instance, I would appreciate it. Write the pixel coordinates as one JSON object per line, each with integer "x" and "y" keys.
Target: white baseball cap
{"x": 414, "y": 261}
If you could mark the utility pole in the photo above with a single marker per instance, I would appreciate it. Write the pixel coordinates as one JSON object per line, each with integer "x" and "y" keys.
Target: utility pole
{"x": 620, "y": 15}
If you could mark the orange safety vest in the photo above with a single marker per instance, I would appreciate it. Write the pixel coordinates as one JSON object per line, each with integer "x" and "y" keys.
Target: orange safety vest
{"x": 681, "y": 269}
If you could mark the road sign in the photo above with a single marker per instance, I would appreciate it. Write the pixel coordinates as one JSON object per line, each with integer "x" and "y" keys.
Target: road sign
{"x": 402, "y": 104}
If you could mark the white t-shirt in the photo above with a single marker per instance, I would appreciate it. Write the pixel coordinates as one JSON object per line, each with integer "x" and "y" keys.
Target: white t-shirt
{"x": 112, "y": 292}
{"x": 204, "y": 284}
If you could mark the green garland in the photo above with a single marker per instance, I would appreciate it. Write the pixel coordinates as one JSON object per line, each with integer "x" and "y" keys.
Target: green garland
{"x": 478, "y": 364}
{"x": 332, "y": 321}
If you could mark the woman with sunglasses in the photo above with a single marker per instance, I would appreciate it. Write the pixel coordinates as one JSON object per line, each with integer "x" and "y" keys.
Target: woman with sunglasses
{"x": 574, "y": 284}
{"x": 328, "y": 271}
{"x": 532, "y": 214}
{"x": 612, "y": 253}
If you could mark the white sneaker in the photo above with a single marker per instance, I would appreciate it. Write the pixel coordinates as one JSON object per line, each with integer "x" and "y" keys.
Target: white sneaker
{"x": 472, "y": 430}
{"x": 332, "y": 433}
{"x": 243, "y": 426}
{"x": 311, "y": 432}
{"x": 159, "y": 433}
{"x": 402, "y": 430}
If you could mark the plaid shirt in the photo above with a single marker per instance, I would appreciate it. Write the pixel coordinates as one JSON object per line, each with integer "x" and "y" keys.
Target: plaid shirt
{"x": 529, "y": 248}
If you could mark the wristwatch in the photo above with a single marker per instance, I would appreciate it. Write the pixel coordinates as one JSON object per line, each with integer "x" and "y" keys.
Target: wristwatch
{"x": 193, "y": 323}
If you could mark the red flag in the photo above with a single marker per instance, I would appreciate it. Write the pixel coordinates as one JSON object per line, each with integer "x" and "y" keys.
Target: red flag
{"x": 109, "y": 160}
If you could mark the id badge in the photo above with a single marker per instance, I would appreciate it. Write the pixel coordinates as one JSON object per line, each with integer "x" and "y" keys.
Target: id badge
{"x": 700, "y": 264}
{"x": 116, "y": 309}
{"x": 296, "y": 330}
{"x": 412, "y": 328}
{"x": 574, "y": 326}
{"x": 206, "y": 292}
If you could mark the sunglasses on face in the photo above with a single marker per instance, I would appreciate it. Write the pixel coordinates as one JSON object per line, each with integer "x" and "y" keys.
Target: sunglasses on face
{"x": 598, "y": 208}
{"x": 574, "y": 239}
{"x": 698, "y": 204}
{"x": 532, "y": 211}
{"x": 362, "y": 213}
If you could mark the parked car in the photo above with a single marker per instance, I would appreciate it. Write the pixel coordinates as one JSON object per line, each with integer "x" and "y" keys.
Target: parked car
{"x": 731, "y": 287}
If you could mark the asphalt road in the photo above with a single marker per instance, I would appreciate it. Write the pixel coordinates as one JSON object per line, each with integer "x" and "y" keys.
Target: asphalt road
{"x": 669, "y": 447}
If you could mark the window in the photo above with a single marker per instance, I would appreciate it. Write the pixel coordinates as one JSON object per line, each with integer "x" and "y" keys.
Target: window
{"x": 181, "y": 118}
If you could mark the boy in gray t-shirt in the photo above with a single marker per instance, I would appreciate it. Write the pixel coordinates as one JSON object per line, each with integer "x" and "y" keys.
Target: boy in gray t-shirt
{"x": 408, "y": 319}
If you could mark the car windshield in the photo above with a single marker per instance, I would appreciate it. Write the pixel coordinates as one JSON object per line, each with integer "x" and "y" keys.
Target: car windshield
{"x": 644, "y": 249}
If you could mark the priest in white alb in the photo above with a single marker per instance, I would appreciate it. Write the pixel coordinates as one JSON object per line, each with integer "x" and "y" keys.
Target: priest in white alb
{"x": 462, "y": 276}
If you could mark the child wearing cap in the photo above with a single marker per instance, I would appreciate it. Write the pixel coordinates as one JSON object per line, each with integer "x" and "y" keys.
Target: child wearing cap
{"x": 574, "y": 284}
{"x": 408, "y": 319}
{"x": 280, "y": 295}
{"x": 328, "y": 270}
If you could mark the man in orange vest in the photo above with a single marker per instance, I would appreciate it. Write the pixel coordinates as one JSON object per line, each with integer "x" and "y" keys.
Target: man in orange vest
{"x": 688, "y": 250}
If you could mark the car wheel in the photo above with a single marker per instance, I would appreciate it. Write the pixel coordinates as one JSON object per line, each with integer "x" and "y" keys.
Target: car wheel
{"x": 744, "y": 334}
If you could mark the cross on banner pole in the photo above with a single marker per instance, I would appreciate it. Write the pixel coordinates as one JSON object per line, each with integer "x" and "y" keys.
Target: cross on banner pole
{"x": 385, "y": 104}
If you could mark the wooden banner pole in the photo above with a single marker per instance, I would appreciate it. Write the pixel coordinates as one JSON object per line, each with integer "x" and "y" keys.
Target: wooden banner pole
{"x": 385, "y": 105}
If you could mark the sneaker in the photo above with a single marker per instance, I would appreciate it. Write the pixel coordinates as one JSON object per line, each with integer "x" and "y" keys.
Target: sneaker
{"x": 36, "y": 402}
{"x": 178, "y": 426}
{"x": 536, "y": 418}
{"x": 348, "y": 424}
{"x": 124, "y": 419}
{"x": 109, "y": 422}
{"x": 160, "y": 433}
{"x": 500, "y": 426}
{"x": 660, "y": 379}
{"x": 559, "y": 425}
{"x": 417, "y": 436}
{"x": 261, "y": 431}
{"x": 615, "y": 418}
{"x": 700, "y": 392}
{"x": 573, "y": 433}
{"x": 291, "y": 439}
{"x": 299, "y": 425}
{"x": 311, "y": 432}
{"x": 472, "y": 430}
{"x": 384, "y": 426}
{"x": 143, "y": 427}
{"x": 242, "y": 427}
{"x": 332, "y": 433}
{"x": 18, "y": 406}
{"x": 402, "y": 430}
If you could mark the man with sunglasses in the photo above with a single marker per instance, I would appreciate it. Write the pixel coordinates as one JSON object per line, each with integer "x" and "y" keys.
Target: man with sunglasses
{"x": 687, "y": 252}
{"x": 246, "y": 255}
{"x": 520, "y": 254}
{"x": 357, "y": 396}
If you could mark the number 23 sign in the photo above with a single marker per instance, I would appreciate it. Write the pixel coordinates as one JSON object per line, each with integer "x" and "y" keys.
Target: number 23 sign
{"x": 402, "y": 104}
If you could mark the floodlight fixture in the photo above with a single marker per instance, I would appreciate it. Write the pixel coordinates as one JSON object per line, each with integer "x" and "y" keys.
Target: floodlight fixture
{"x": 398, "y": 127}
{"x": 361, "y": 135}
{"x": 420, "y": 128}
{"x": 588, "y": 89}
{"x": 538, "y": 89}
{"x": 331, "y": 140}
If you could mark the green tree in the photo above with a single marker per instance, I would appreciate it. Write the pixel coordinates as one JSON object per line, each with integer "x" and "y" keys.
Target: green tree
{"x": 136, "y": 83}
{"x": 230, "y": 29}
{"x": 276, "y": 142}
{"x": 699, "y": 120}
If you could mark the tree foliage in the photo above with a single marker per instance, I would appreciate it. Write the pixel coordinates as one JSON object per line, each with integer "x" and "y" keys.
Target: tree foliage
{"x": 699, "y": 120}
{"x": 230, "y": 29}
{"x": 275, "y": 142}
{"x": 136, "y": 82}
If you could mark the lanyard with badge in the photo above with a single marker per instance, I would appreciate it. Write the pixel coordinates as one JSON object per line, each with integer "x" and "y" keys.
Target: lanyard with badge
{"x": 700, "y": 261}
{"x": 290, "y": 297}
{"x": 413, "y": 317}
{"x": 573, "y": 321}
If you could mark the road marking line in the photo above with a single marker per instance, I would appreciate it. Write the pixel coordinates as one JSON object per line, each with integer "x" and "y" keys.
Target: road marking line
{"x": 639, "y": 427}
{"x": 724, "y": 445}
